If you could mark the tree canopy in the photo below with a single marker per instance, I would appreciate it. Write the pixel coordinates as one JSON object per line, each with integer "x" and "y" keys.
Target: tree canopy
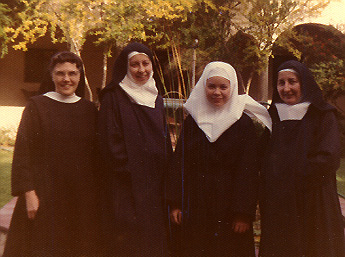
{"x": 215, "y": 23}
{"x": 265, "y": 20}
{"x": 112, "y": 22}
{"x": 71, "y": 21}
{"x": 5, "y": 21}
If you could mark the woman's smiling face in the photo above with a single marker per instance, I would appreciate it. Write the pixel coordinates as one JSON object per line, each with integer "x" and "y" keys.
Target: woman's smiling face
{"x": 217, "y": 90}
{"x": 140, "y": 67}
{"x": 66, "y": 77}
{"x": 289, "y": 87}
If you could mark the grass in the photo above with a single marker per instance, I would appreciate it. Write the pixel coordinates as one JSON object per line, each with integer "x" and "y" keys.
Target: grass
{"x": 5, "y": 176}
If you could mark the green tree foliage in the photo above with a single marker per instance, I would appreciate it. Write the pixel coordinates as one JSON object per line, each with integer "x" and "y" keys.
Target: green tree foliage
{"x": 239, "y": 53}
{"x": 328, "y": 64}
{"x": 327, "y": 41}
{"x": 164, "y": 23}
{"x": 124, "y": 21}
{"x": 240, "y": 32}
{"x": 67, "y": 21}
{"x": 322, "y": 50}
{"x": 5, "y": 20}
{"x": 143, "y": 20}
{"x": 71, "y": 21}
{"x": 208, "y": 21}
{"x": 265, "y": 20}
{"x": 330, "y": 76}
{"x": 112, "y": 22}
{"x": 121, "y": 22}
{"x": 211, "y": 24}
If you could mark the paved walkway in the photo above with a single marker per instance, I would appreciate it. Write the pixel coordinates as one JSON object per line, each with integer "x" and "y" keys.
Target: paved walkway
{"x": 5, "y": 220}
{"x": 6, "y": 214}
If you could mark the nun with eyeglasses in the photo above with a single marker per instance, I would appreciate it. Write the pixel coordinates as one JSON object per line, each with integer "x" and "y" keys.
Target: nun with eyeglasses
{"x": 53, "y": 168}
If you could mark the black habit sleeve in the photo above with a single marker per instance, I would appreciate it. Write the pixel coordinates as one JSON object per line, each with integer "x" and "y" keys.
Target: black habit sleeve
{"x": 324, "y": 156}
{"x": 246, "y": 175}
{"x": 27, "y": 142}
{"x": 112, "y": 144}
{"x": 174, "y": 179}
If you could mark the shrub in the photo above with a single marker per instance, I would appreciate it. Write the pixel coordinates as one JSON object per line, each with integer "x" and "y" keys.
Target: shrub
{"x": 7, "y": 136}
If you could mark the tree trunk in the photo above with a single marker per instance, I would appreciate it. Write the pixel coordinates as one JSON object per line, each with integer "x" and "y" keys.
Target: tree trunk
{"x": 249, "y": 82}
{"x": 74, "y": 49}
{"x": 105, "y": 67}
{"x": 88, "y": 87}
{"x": 263, "y": 84}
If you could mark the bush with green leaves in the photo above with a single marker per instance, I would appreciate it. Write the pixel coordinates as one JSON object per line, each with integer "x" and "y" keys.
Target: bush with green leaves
{"x": 7, "y": 136}
{"x": 330, "y": 76}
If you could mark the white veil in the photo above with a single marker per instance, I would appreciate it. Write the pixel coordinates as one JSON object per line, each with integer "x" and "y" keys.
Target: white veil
{"x": 213, "y": 121}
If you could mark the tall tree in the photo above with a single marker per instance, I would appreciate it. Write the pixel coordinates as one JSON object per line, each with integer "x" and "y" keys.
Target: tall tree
{"x": 5, "y": 20}
{"x": 138, "y": 20}
{"x": 208, "y": 22}
{"x": 265, "y": 20}
{"x": 113, "y": 22}
{"x": 67, "y": 21}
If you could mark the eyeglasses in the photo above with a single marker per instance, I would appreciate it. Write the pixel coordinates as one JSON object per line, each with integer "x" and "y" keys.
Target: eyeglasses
{"x": 71, "y": 74}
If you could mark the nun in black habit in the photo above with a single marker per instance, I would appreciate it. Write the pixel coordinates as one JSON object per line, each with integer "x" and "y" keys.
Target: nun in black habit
{"x": 135, "y": 145}
{"x": 212, "y": 186}
{"x": 52, "y": 169}
{"x": 299, "y": 202}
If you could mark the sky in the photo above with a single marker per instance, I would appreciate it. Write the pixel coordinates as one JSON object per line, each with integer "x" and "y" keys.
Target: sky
{"x": 333, "y": 14}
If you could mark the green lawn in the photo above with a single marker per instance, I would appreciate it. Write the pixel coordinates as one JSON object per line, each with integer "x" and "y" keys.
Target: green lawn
{"x": 5, "y": 176}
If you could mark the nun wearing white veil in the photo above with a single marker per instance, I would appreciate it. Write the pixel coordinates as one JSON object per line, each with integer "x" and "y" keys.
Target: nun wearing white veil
{"x": 213, "y": 180}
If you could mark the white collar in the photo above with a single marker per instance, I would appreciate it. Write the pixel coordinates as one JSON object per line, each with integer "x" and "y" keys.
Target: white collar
{"x": 141, "y": 94}
{"x": 292, "y": 112}
{"x": 214, "y": 121}
{"x": 62, "y": 98}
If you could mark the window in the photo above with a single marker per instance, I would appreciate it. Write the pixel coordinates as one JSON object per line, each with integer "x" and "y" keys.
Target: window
{"x": 36, "y": 64}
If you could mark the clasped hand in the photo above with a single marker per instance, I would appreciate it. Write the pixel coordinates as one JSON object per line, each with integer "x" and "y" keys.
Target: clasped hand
{"x": 238, "y": 226}
{"x": 32, "y": 204}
